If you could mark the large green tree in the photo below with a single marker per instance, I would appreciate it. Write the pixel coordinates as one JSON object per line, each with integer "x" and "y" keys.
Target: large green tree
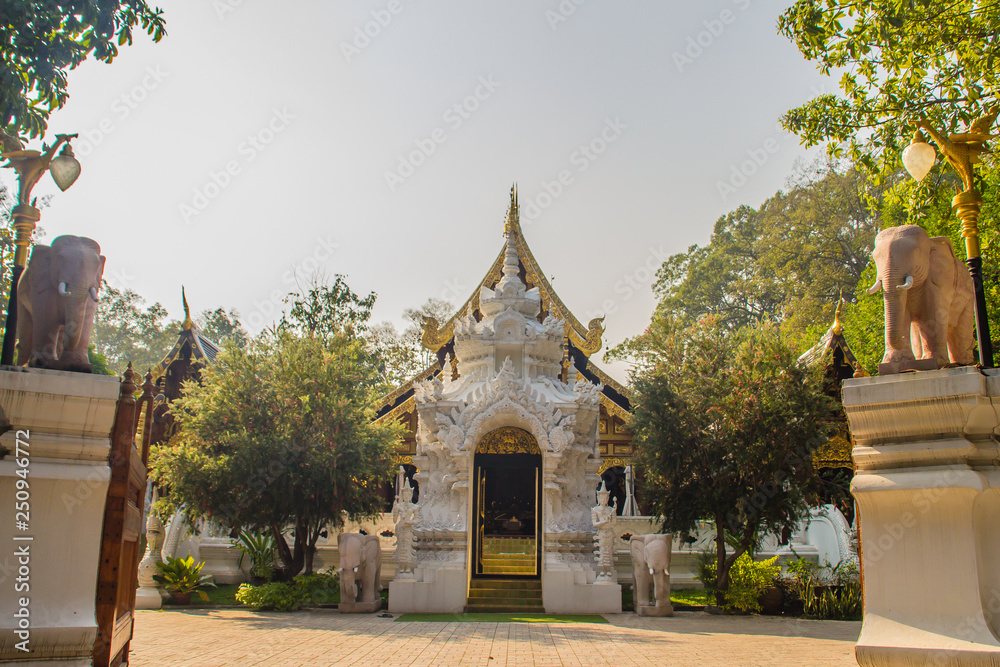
{"x": 279, "y": 436}
{"x": 41, "y": 40}
{"x": 125, "y": 330}
{"x": 787, "y": 260}
{"x": 899, "y": 61}
{"x": 725, "y": 423}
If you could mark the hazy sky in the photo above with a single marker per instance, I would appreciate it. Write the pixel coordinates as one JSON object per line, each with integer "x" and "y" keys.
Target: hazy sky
{"x": 260, "y": 140}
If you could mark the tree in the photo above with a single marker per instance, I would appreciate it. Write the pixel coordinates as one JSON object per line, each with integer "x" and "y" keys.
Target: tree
{"x": 44, "y": 39}
{"x": 725, "y": 424}
{"x": 126, "y": 332}
{"x": 327, "y": 310}
{"x": 402, "y": 354}
{"x": 900, "y": 61}
{"x": 280, "y": 435}
{"x": 787, "y": 260}
{"x": 222, "y": 326}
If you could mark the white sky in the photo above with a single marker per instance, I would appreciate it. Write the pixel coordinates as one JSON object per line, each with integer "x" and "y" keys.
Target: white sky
{"x": 160, "y": 121}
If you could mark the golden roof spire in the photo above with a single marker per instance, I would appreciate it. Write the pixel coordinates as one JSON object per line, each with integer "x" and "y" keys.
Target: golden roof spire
{"x": 513, "y": 224}
{"x": 838, "y": 327}
{"x": 187, "y": 312}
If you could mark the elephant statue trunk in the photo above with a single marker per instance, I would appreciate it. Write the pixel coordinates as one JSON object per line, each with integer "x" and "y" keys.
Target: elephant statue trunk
{"x": 928, "y": 297}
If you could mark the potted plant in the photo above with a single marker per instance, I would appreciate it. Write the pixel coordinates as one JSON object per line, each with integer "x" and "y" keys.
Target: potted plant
{"x": 181, "y": 577}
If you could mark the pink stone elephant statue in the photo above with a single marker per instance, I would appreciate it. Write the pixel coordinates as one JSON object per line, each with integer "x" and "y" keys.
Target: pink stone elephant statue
{"x": 56, "y": 303}
{"x": 360, "y": 567}
{"x": 929, "y": 298}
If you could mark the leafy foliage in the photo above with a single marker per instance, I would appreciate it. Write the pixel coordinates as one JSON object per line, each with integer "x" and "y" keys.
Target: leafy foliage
{"x": 222, "y": 326}
{"x": 44, "y": 39}
{"x": 747, "y": 580}
{"x": 725, "y": 424}
{"x": 280, "y": 435}
{"x": 304, "y": 590}
{"x": 830, "y": 593}
{"x": 401, "y": 354}
{"x": 181, "y": 576}
{"x": 898, "y": 61}
{"x": 125, "y": 331}
{"x": 788, "y": 260}
{"x": 259, "y": 548}
{"x": 327, "y": 310}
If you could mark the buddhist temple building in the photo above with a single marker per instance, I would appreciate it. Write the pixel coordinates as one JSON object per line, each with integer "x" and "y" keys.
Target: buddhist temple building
{"x": 509, "y": 434}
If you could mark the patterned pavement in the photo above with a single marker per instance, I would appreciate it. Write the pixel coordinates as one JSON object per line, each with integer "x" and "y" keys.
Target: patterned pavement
{"x": 206, "y": 638}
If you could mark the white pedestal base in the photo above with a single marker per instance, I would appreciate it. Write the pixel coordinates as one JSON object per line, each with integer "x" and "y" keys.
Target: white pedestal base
{"x": 69, "y": 418}
{"x": 149, "y": 598}
{"x": 567, "y": 592}
{"x": 928, "y": 495}
{"x": 432, "y": 591}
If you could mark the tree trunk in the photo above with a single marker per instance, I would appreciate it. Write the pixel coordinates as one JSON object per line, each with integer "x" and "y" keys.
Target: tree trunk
{"x": 283, "y": 553}
{"x": 721, "y": 571}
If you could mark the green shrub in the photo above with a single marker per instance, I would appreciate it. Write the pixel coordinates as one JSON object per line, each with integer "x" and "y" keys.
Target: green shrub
{"x": 827, "y": 593}
{"x": 747, "y": 580}
{"x": 304, "y": 590}
{"x": 259, "y": 548}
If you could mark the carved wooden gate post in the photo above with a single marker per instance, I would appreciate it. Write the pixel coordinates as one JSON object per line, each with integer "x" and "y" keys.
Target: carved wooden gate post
{"x": 116, "y": 579}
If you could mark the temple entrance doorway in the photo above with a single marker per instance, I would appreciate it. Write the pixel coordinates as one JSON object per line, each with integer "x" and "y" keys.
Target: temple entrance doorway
{"x": 507, "y": 505}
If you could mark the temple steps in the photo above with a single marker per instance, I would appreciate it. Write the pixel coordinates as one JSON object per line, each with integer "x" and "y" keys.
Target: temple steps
{"x": 505, "y": 596}
{"x": 509, "y": 564}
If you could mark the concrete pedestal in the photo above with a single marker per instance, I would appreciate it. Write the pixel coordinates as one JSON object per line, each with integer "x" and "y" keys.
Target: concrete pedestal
{"x": 149, "y": 597}
{"x": 928, "y": 494}
{"x": 439, "y": 590}
{"x": 68, "y": 419}
{"x": 655, "y": 610}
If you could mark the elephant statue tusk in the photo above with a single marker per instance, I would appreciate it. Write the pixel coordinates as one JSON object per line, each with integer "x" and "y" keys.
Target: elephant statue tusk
{"x": 907, "y": 284}
{"x": 875, "y": 288}
{"x": 62, "y": 290}
{"x": 93, "y": 294}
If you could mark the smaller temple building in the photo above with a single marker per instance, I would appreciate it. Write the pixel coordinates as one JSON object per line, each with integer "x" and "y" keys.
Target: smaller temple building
{"x": 510, "y": 430}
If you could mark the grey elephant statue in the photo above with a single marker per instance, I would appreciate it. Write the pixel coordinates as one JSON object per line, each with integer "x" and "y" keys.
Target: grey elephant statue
{"x": 651, "y": 567}
{"x": 56, "y": 303}
{"x": 929, "y": 300}
{"x": 360, "y": 567}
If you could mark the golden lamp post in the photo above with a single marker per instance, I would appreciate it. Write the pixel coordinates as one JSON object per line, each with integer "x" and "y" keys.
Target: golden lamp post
{"x": 30, "y": 165}
{"x": 962, "y": 151}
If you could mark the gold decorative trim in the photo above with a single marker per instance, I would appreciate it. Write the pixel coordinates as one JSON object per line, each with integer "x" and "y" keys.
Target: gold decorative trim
{"x": 608, "y": 381}
{"x": 615, "y": 410}
{"x": 391, "y": 397}
{"x": 611, "y": 462}
{"x": 508, "y": 440}
{"x": 404, "y": 460}
{"x": 409, "y": 405}
{"x": 836, "y": 453}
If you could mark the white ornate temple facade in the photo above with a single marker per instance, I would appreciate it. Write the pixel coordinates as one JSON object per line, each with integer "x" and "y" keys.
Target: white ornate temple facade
{"x": 507, "y": 460}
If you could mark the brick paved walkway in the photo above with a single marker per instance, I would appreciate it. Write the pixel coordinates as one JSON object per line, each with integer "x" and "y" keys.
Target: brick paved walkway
{"x": 206, "y": 638}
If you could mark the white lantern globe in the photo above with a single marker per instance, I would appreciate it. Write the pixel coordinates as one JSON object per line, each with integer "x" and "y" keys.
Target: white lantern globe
{"x": 918, "y": 158}
{"x": 65, "y": 168}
